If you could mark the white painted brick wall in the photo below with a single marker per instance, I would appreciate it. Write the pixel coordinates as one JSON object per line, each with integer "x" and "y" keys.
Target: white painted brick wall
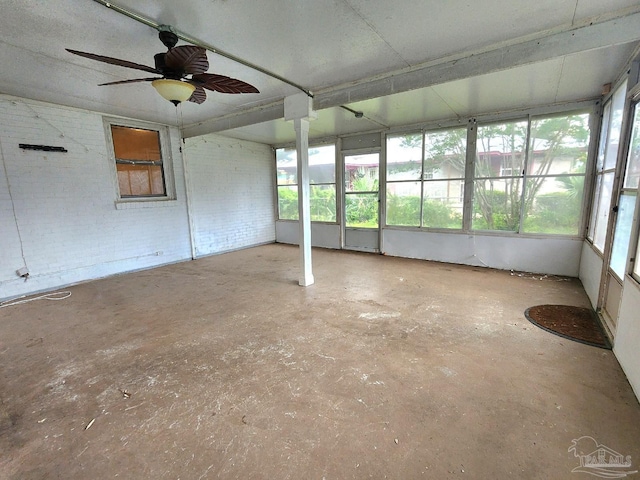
{"x": 231, "y": 184}
{"x": 64, "y": 203}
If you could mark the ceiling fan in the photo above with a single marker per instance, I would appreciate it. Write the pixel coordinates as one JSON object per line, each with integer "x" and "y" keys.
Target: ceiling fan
{"x": 182, "y": 72}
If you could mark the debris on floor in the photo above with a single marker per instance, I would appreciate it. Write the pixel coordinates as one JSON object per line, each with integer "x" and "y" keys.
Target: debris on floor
{"x": 124, "y": 393}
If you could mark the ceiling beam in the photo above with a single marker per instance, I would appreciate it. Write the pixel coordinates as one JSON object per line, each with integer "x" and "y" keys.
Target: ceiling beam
{"x": 615, "y": 29}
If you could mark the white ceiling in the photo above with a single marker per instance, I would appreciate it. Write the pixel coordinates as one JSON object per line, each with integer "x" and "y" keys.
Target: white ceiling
{"x": 403, "y": 62}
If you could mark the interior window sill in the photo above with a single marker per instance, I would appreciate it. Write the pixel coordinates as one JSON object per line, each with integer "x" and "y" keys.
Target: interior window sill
{"x": 131, "y": 203}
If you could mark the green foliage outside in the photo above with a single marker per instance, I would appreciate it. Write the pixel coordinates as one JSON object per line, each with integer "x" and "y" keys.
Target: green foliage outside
{"x": 361, "y": 209}
{"x": 555, "y": 213}
{"x": 497, "y": 199}
{"x": 404, "y": 210}
{"x": 496, "y": 211}
{"x": 438, "y": 215}
{"x": 322, "y": 202}
{"x": 287, "y": 204}
{"x": 558, "y": 212}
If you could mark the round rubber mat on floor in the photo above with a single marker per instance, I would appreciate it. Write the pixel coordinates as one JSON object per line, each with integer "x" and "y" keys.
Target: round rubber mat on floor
{"x": 574, "y": 323}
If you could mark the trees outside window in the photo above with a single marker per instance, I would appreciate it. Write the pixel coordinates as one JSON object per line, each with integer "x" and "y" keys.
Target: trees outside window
{"x": 556, "y": 168}
{"x": 404, "y": 179}
{"x": 425, "y": 179}
{"x": 322, "y": 181}
{"x": 498, "y": 175}
{"x": 528, "y": 176}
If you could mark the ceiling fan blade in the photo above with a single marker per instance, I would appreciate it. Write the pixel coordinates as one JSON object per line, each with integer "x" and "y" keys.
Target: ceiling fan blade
{"x": 135, "y": 80}
{"x": 187, "y": 58}
{"x": 222, "y": 84}
{"x": 115, "y": 61}
{"x": 198, "y": 96}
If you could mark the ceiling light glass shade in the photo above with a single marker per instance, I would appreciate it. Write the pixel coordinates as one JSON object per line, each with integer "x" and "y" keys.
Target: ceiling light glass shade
{"x": 173, "y": 90}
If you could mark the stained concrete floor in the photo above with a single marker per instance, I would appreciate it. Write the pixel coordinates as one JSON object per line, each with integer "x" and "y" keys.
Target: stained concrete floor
{"x": 225, "y": 368}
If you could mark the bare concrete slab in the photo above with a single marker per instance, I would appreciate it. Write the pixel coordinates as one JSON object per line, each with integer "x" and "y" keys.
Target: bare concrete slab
{"x": 384, "y": 368}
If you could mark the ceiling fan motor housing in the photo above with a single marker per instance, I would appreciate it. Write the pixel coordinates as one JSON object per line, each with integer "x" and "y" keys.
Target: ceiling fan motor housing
{"x": 168, "y": 38}
{"x": 161, "y": 65}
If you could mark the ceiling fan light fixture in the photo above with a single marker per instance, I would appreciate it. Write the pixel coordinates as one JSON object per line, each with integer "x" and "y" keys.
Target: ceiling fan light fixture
{"x": 173, "y": 90}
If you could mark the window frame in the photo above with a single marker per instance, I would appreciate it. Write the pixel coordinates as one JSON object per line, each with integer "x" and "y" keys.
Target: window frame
{"x": 166, "y": 162}
{"x": 632, "y": 265}
{"x": 311, "y": 184}
{"x": 601, "y": 170}
{"x": 530, "y": 159}
{"x": 423, "y": 179}
{"x": 499, "y": 177}
{"x": 468, "y": 185}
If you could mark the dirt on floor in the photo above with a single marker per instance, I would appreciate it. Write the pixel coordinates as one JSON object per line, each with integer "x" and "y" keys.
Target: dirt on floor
{"x": 225, "y": 368}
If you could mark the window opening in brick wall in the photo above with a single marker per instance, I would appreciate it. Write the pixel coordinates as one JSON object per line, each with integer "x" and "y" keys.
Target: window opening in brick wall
{"x": 138, "y": 158}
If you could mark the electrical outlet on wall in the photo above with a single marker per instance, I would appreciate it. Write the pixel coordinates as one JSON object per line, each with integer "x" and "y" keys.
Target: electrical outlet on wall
{"x": 23, "y": 272}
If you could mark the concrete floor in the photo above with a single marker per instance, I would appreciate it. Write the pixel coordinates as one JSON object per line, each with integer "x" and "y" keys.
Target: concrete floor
{"x": 225, "y": 368}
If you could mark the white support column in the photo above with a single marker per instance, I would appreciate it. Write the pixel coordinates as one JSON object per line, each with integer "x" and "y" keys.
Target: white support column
{"x": 304, "y": 211}
{"x": 298, "y": 108}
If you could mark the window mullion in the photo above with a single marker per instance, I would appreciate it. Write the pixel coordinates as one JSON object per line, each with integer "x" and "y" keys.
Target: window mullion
{"x": 525, "y": 176}
{"x": 467, "y": 208}
{"x": 422, "y": 182}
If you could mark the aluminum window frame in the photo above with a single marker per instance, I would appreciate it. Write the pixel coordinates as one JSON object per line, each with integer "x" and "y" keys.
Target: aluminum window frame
{"x": 601, "y": 171}
{"x": 589, "y": 108}
{"x": 295, "y": 184}
{"x": 424, "y": 177}
{"x": 166, "y": 162}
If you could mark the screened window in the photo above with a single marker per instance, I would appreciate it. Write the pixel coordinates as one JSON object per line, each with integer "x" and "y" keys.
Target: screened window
{"x": 606, "y": 166}
{"x": 622, "y": 236}
{"x": 425, "y": 179}
{"x": 322, "y": 181}
{"x": 628, "y": 201}
{"x": 443, "y": 186}
{"x": 529, "y": 175}
{"x": 498, "y": 182}
{"x": 138, "y": 161}
{"x": 556, "y": 167}
{"x": 404, "y": 179}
